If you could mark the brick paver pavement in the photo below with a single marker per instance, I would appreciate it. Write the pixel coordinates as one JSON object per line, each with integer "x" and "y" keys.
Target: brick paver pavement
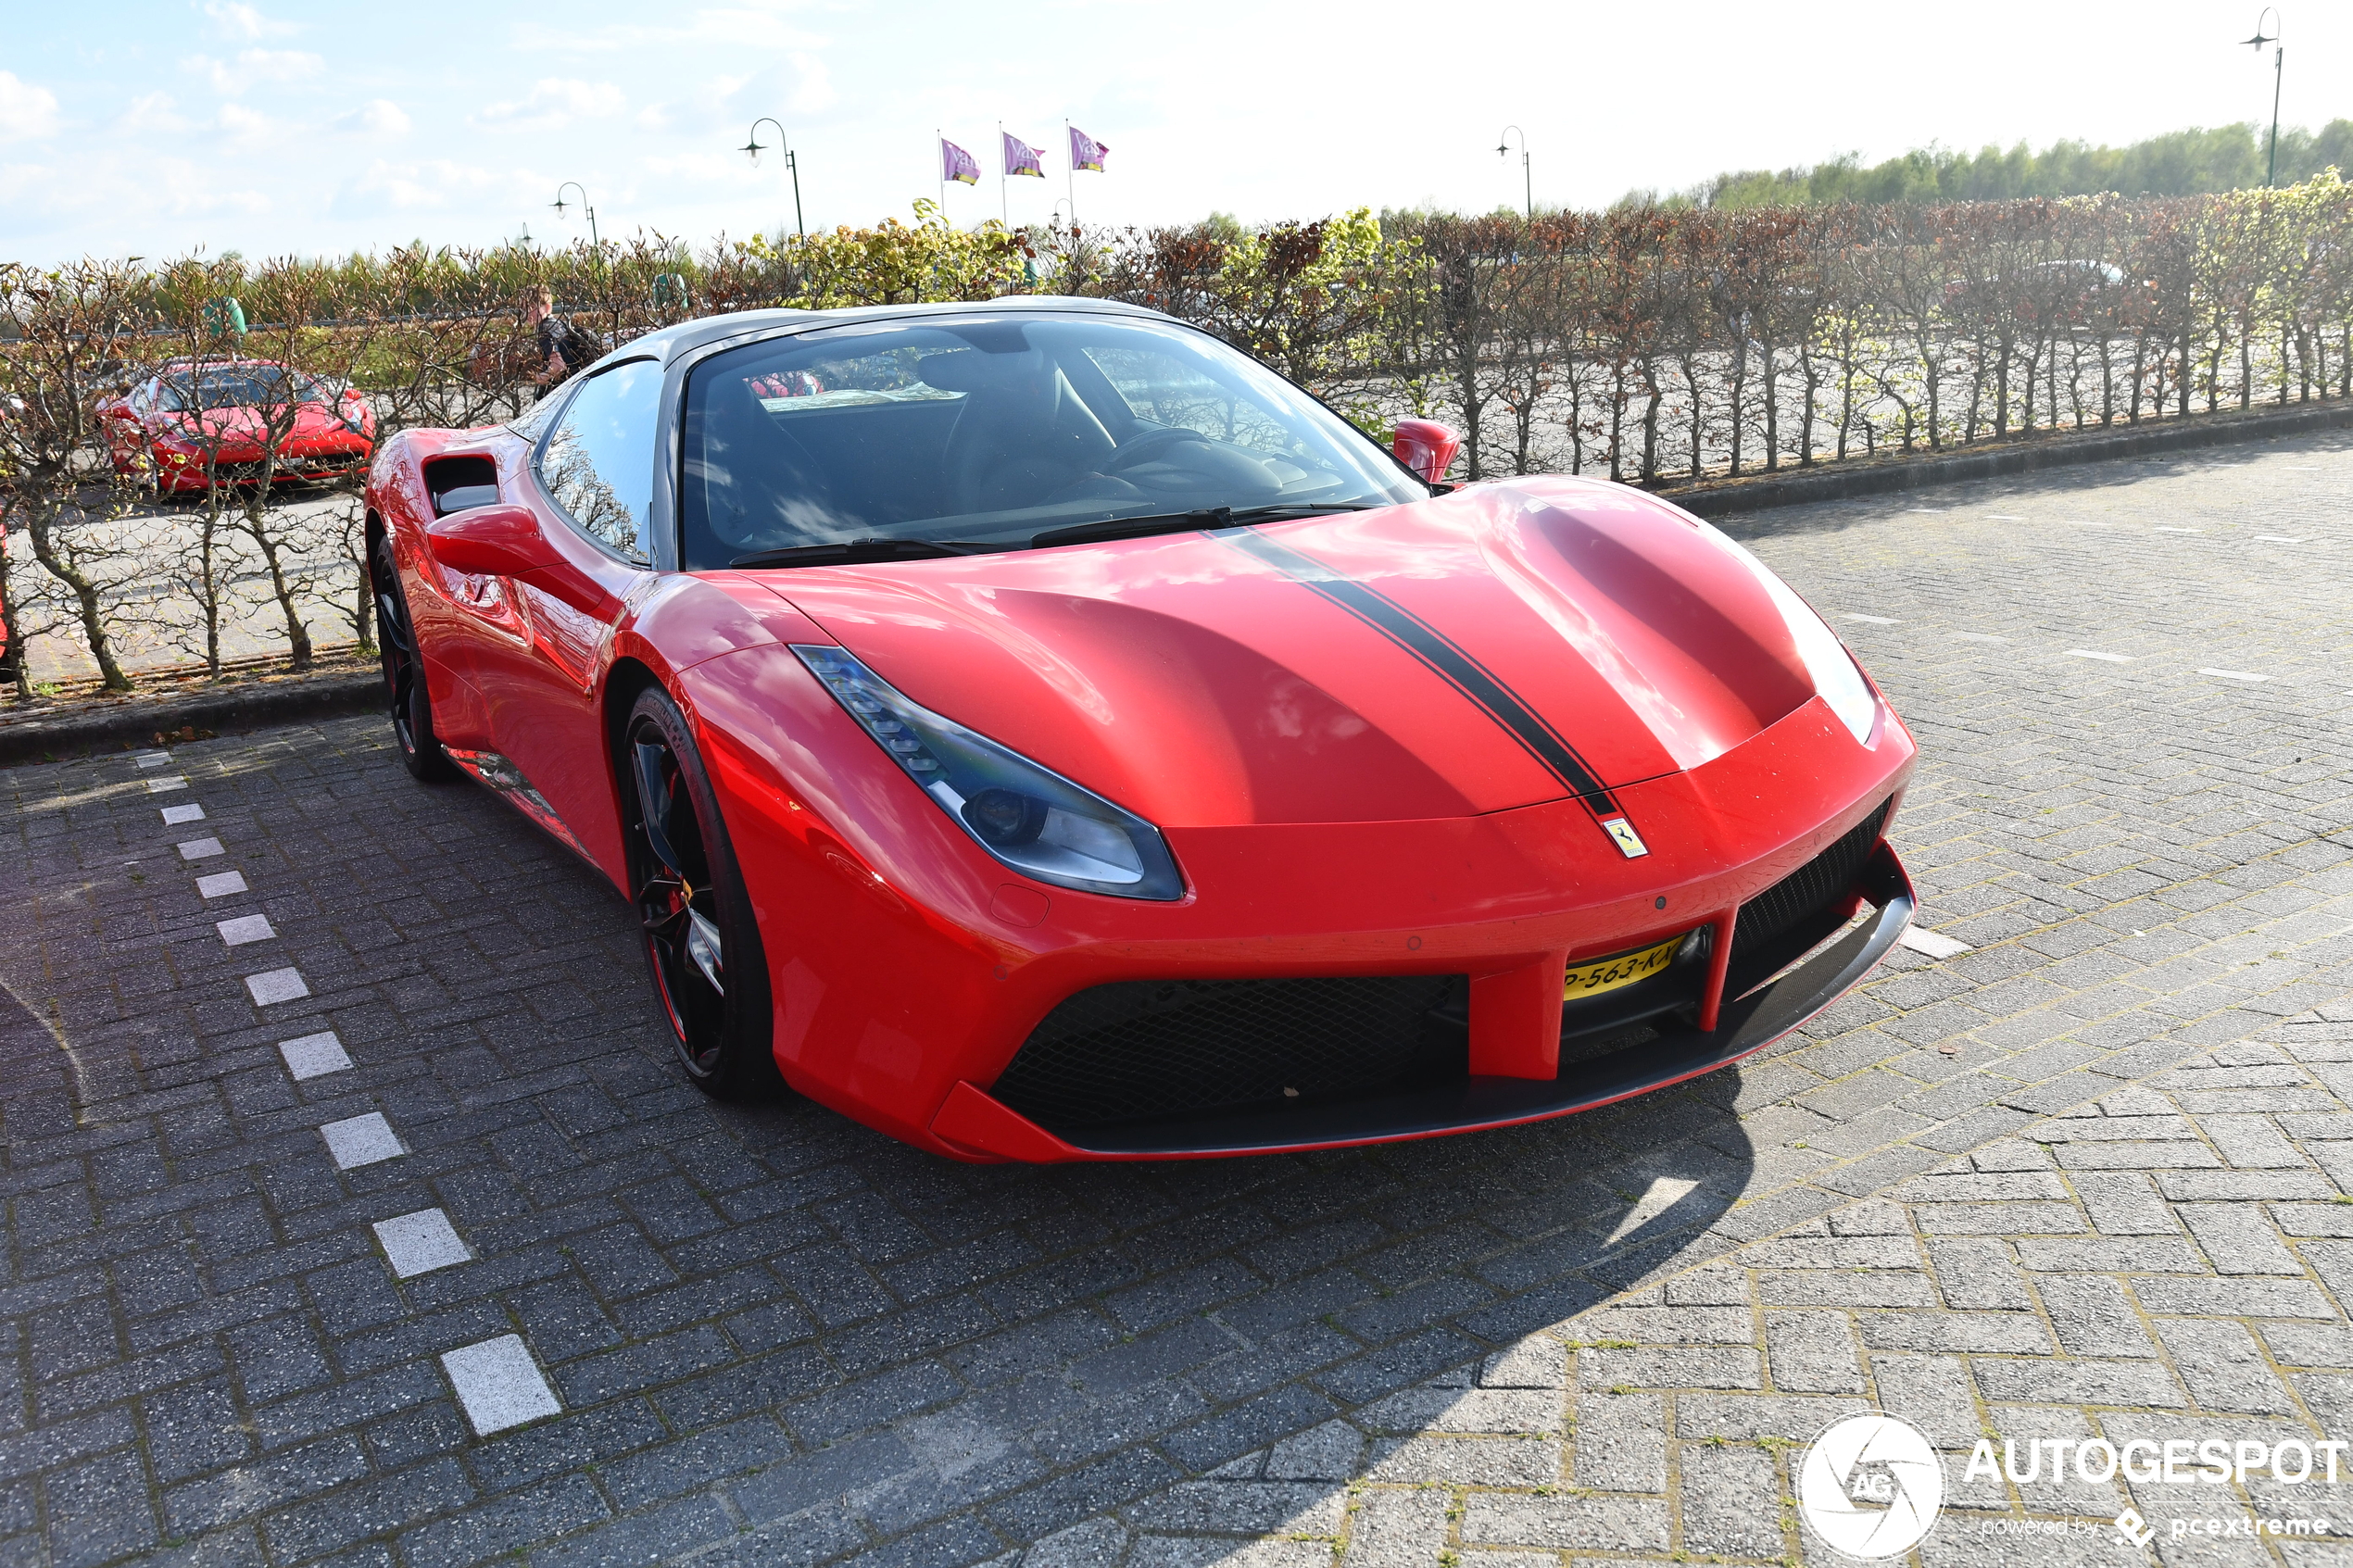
{"x": 274, "y": 1266}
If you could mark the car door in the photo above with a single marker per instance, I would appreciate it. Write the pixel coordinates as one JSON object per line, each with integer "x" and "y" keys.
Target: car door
{"x": 593, "y": 489}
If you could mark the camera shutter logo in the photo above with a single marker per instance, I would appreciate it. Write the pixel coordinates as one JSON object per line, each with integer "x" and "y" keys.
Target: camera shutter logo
{"x": 1870, "y": 1485}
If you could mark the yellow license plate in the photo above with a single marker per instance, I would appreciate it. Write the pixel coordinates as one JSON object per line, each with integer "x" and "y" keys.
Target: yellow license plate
{"x": 1608, "y": 974}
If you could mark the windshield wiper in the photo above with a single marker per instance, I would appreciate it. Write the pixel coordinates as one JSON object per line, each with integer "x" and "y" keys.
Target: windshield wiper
{"x": 850, "y": 551}
{"x": 1179, "y": 522}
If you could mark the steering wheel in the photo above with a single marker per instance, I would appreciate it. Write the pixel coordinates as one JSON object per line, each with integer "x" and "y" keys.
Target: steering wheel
{"x": 1152, "y": 441}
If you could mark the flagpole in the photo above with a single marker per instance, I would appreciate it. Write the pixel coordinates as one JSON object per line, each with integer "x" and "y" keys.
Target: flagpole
{"x": 939, "y": 163}
{"x": 1070, "y": 174}
{"x": 1004, "y": 212}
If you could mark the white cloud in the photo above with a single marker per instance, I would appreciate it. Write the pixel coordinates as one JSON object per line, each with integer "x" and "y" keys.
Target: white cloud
{"x": 245, "y": 127}
{"x": 254, "y": 68}
{"x": 26, "y": 111}
{"x": 431, "y": 186}
{"x": 242, "y": 21}
{"x": 378, "y": 117}
{"x": 554, "y": 103}
{"x": 151, "y": 112}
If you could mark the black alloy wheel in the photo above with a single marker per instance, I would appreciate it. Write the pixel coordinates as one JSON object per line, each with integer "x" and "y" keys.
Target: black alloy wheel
{"x": 701, "y": 940}
{"x": 404, "y": 677}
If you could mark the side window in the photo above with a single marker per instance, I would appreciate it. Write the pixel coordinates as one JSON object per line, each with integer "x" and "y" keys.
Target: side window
{"x": 599, "y": 466}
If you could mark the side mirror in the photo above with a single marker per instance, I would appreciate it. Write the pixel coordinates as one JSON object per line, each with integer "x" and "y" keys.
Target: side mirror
{"x": 490, "y": 542}
{"x": 1426, "y": 446}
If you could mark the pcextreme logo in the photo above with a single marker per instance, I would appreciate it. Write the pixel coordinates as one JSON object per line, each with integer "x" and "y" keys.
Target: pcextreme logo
{"x": 1870, "y": 1485}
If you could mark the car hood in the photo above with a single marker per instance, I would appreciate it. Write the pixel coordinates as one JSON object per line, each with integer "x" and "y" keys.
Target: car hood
{"x": 1505, "y": 645}
{"x": 312, "y": 421}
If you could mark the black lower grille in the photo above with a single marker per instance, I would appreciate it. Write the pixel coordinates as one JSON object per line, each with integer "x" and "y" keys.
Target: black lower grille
{"x": 1794, "y": 906}
{"x": 1149, "y": 1049}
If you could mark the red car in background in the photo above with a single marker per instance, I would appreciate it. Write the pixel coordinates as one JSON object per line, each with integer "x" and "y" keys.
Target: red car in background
{"x": 197, "y": 423}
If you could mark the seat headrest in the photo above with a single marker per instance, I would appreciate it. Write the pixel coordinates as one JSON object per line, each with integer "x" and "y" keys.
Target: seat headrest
{"x": 971, "y": 369}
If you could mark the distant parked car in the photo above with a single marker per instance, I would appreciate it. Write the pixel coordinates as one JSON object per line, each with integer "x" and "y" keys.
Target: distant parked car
{"x": 197, "y": 423}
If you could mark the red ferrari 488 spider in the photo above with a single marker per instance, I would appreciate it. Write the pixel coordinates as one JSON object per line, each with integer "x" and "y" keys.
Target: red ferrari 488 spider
{"x": 195, "y": 423}
{"x": 1038, "y": 731}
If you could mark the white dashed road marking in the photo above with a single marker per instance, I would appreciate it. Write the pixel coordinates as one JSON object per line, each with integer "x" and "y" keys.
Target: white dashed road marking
{"x": 244, "y": 929}
{"x": 222, "y": 886}
{"x": 158, "y": 786}
{"x": 153, "y": 758}
{"x": 2091, "y": 653}
{"x": 499, "y": 1383}
{"x": 1934, "y": 944}
{"x": 277, "y": 986}
{"x": 2234, "y": 675}
{"x": 1873, "y": 620}
{"x": 2002, "y": 517}
{"x": 2282, "y": 539}
{"x": 199, "y": 848}
{"x": 420, "y": 1243}
{"x": 1980, "y": 637}
{"x": 2181, "y": 531}
{"x": 362, "y": 1140}
{"x": 315, "y": 1056}
{"x": 173, "y": 815}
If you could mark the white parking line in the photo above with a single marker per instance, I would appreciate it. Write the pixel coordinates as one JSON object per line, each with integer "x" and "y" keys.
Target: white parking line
{"x": 175, "y": 815}
{"x": 221, "y": 885}
{"x": 362, "y": 1140}
{"x": 1934, "y": 944}
{"x": 2234, "y": 675}
{"x": 158, "y": 787}
{"x": 244, "y": 929}
{"x": 200, "y": 848}
{"x": 420, "y": 1243}
{"x": 2181, "y": 531}
{"x": 1980, "y": 637}
{"x": 315, "y": 1056}
{"x": 1873, "y": 620}
{"x": 2002, "y": 517}
{"x": 2284, "y": 539}
{"x": 499, "y": 1385}
{"x": 2090, "y": 653}
{"x": 153, "y": 758}
{"x": 277, "y": 986}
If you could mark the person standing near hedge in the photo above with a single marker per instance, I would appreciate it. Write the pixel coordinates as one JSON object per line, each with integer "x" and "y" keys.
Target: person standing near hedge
{"x": 562, "y": 348}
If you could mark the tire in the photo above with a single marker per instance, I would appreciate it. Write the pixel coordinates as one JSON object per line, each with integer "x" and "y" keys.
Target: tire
{"x": 404, "y": 693}
{"x": 702, "y": 942}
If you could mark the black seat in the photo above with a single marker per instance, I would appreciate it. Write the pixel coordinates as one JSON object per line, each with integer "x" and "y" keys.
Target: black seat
{"x": 762, "y": 487}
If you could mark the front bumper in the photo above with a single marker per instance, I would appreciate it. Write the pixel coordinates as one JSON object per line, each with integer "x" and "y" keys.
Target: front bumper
{"x": 1745, "y": 1025}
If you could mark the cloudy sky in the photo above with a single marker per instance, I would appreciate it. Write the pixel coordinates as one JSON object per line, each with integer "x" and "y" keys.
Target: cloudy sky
{"x": 157, "y": 126}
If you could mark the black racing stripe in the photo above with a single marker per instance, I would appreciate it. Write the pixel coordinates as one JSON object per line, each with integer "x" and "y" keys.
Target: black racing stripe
{"x": 1440, "y": 655}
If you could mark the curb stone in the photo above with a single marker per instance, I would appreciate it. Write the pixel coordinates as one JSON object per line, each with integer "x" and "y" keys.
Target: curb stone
{"x": 1725, "y": 499}
{"x": 28, "y": 739}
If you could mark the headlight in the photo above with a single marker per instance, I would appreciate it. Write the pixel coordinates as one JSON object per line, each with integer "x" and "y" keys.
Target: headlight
{"x": 1836, "y": 679}
{"x": 1036, "y": 821}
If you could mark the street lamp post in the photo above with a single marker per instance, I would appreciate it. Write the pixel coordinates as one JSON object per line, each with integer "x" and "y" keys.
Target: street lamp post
{"x": 2279, "y": 69}
{"x": 752, "y": 148}
{"x": 1528, "y": 187}
{"x": 577, "y": 185}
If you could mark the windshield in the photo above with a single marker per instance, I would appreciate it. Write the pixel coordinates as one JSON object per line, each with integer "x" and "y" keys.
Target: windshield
{"x": 989, "y": 432}
{"x": 238, "y": 386}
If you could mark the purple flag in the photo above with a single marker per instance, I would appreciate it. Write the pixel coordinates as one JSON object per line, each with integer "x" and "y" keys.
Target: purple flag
{"x": 1021, "y": 158}
{"x": 1085, "y": 152}
{"x": 957, "y": 164}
